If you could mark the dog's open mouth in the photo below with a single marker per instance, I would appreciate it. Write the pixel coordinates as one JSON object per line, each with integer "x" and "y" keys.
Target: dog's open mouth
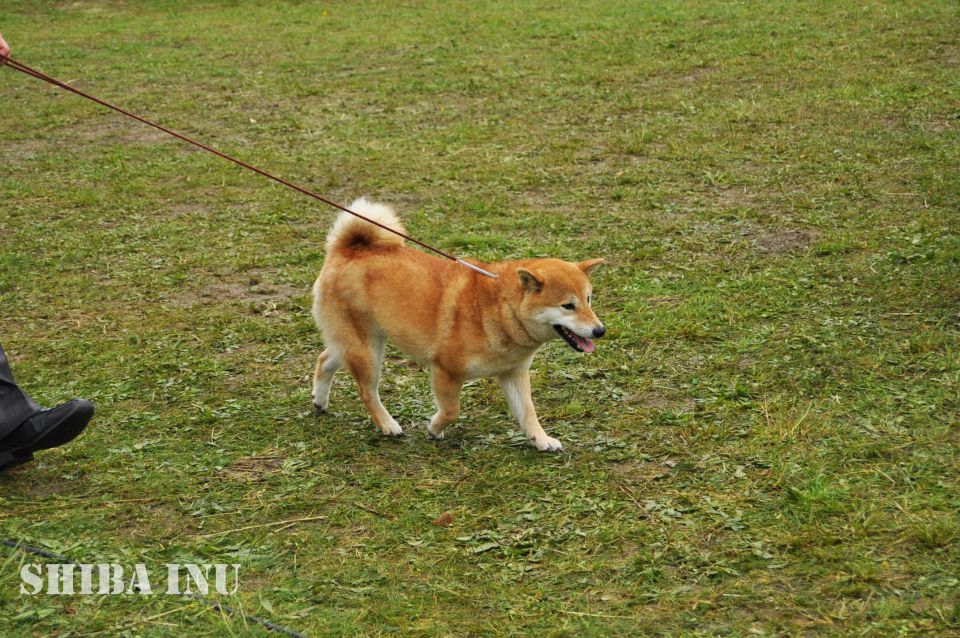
{"x": 573, "y": 340}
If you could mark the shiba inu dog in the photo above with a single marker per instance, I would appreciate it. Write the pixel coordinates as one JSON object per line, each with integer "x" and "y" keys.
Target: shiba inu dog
{"x": 460, "y": 323}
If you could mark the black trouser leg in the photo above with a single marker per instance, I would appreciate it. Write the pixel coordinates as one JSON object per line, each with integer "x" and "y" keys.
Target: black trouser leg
{"x": 16, "y": 406}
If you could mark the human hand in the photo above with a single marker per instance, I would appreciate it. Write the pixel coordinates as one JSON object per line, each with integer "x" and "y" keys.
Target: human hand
{"x": 4, "y": 49}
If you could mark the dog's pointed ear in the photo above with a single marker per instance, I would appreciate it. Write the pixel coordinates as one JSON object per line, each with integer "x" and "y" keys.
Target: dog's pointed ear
{"x": 529, "y": 281}
{"x": 590, "y": 264}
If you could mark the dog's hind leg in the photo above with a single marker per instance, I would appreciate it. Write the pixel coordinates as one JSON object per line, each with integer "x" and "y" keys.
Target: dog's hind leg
{"x": 364, "y": 361}
{"x": 327, "y": 364}
{"x": 446, "y": 391}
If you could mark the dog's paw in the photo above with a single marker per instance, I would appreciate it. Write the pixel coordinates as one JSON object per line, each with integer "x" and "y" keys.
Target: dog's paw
{"x": 392, "y": 429}
{"x": 319, "y": 400}
{"x": 435, "y": 435}
{"x": 547, "y": 444}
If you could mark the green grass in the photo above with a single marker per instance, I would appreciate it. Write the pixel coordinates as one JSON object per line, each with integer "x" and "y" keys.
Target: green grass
{"x": 766, "y": 443}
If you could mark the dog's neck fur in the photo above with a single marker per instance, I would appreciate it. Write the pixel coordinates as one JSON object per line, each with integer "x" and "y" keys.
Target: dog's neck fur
{"x": 508, "y": 295}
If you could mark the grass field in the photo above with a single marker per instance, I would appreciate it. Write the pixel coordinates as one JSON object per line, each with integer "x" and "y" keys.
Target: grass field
{"x": 766, "y": 443}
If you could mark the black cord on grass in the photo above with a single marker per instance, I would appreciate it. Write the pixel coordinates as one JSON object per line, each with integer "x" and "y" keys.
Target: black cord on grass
{"x": 206, "y": 601}
{"x": 36, "y": 550}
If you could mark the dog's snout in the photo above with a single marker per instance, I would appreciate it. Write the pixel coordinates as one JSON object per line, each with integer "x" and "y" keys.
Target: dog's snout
{"x": 599, "y": 332}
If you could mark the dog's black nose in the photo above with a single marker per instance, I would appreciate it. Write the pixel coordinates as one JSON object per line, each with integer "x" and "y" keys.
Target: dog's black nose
{"x": 599, "y": 332}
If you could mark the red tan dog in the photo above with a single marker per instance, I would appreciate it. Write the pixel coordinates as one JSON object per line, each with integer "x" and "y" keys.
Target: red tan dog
{"x": 460, "y": 323}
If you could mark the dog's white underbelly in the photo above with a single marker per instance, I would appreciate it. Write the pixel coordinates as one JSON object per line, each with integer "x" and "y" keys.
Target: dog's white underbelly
{"x": 478, "y": 367}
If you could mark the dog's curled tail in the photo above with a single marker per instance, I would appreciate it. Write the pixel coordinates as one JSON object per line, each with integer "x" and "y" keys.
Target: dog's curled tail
{"x": 351, "y": 232}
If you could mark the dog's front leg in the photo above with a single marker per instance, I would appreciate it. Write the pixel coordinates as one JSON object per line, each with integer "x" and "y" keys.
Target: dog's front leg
{"x": 516, "y": 387}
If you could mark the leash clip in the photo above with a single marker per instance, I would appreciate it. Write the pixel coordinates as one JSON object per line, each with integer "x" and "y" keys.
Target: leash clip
{"x": 485, "y": 273}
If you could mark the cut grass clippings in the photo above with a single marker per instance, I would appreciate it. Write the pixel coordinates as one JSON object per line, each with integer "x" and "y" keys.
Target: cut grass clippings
{"x": 765, "y": 443}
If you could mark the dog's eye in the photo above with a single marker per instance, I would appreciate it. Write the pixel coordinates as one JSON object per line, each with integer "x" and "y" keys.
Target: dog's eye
{"x": 569, "y": 306}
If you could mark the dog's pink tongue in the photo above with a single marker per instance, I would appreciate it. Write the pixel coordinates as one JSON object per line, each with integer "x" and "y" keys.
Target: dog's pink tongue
{"x": 585, "y": 344}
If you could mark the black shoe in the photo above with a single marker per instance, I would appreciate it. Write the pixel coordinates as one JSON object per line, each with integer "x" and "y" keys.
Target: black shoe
{"x": 10, "y": 460}
{"x": 49, "y": 428}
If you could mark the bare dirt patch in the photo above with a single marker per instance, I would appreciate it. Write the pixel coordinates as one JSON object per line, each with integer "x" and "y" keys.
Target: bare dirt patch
{"x": 233, "y": 291}
{"x": 661, "y": 403}
{"x": 695, "y": 76}
{"x": 780, "y": 242}
{"x": 26, "y": 149}
{"x": 256, "y": 467}
{"x": 638, "y": 472}
{"x": 35, "y": 486}
{"x": 740, "y": 197}
{"x": 186, "y": 209}
{"x": 115, "y": 129}
{"x": 249, "y": 287}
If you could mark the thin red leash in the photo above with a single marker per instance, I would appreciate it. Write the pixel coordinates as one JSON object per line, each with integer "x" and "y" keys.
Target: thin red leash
{"x": 23, "y": 68}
